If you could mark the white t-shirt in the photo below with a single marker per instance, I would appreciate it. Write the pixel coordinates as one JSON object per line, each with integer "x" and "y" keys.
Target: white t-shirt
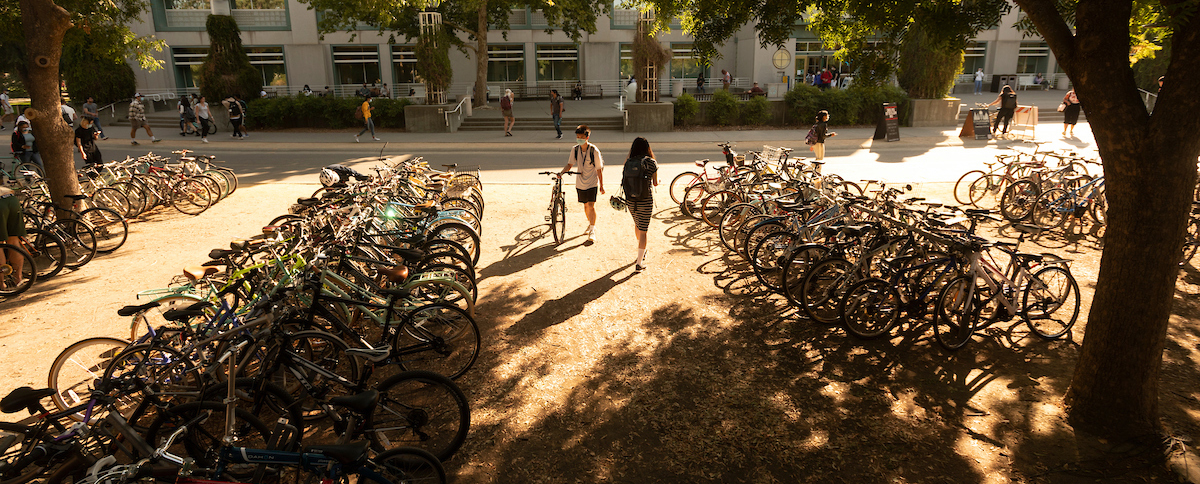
{"x": 4, "y": 105}
{"x": 69, "y": 111}
{"x": 978, "y": 75}
{"x": 582, "y": 163}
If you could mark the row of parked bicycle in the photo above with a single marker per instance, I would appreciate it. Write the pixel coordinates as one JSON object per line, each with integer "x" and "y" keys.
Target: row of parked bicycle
{"x": 97, "y": 221}
{"x": 864, "y": 256}
{"x": 324, "y": 348}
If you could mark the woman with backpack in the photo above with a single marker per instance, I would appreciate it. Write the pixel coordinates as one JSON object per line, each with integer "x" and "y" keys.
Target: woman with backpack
{"x": 817, "y": 134}
{"x": 640, "y": 174}
{"x": 1008, "y": 105}
{"x": 506, "y": 106}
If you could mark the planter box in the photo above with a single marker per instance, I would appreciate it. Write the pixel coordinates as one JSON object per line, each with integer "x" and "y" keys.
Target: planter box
{"x": 935, "y": 112}
{"x": 650, "y": 117}
{"x": 426, "y": 118}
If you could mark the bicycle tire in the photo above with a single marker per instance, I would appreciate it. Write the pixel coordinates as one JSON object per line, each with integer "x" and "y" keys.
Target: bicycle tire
{"x": 755, "y": 235}
{"x": 442, "y": 245}
{"x": 558, "y": 220}
{"x": 461, "y": 233}
{"x": 28, "y": 272}
{"x": 110, "y": 227}
{"x": 160, "y": 369}
{"x": 850, "y": 187}
{"x": 962, "y": 187}
{"x": 981, "y": 188}
{"x": 796, "y": 268}
{"x": 1191, "y": 241}
{"x": 1098, "y": 208}
{"x": 1017, "y": 201}
{"x": 870, "y": 308}
{"x": 769, "y": 258}
{"x": 956, "y": 316}
{"x": 1052, "y": 208}
{"x": 420, "y": 409}
{"x": 190, "y": 197}
{"x": 452, "y": 333}
{"x": 202, "y": 441}
{"x": 446, "y": 291}
{"x": 47, "y": 251}
{"x": 231, "y": 177}
{"x": 80, "y": 241}
{"x": 693, "y": 196}
{"x": 20, "y": 440}
{"x": 112, "y": 199}
{"x": 79, "y": 365}
{"x": 408, "y": 465}
{"x": 732, "y": 219}
{"x": 823, "y": 287}
{"x": 269, "y": 404}
{"x": 21, "y": 168}
{"x": 743, "y": 230}
{"x": 136, "y": 197}
{"x": 463, "y": 276}
{"x": 448, "y": 257}
{"x": 222, "y": 181}
{"x": 715, "y": 204}
{"x": 215, "y": 192}
{"x": 324, "y": 350}
{"x": 680, "y": 184}
{"x": 1054, "y": 294}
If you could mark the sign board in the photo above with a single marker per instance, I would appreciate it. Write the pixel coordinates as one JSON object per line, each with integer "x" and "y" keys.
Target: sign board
{"x": 891, "y": 119}
{"x": 983, "y": 129}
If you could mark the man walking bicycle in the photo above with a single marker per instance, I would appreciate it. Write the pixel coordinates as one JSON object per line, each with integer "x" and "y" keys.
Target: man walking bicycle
{"x": 590, "y": 180}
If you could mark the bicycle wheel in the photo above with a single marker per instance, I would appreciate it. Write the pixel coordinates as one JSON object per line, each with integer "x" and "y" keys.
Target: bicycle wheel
{"x": 1191, "y": 241}
{"x": 80, "y": 241}
{"x": 136, "y": 197}
{"x": 1050, "y": 304}
{"x": 822, "y": 289}
{"x": 985, "y": 191}
{"x": 221, "y": 179}
{"x": 110, "y": 227}
{"x": 215, "y": 192}
{"x": 714, "y": 206}
{"x": 231, "y": 177}
{"x": 78, "y": 366}
{"x": 203, "y": 441}
{"x": 680, "y": 184}
{"x": 16, "y": 280}
{"x": 112, "y": 199}
{"x": 693, "y": 197}
{"x": 143, "y": 369}
{"x": 450, "y": 258}
{"x": 190, "y": 197}
{"x": 22, "y": 168}
{"x": 558, "y": 220}
{"x": 1099, "y": 207}
{"x": 408, "y": 465}
{"x": 420, "y": 409}
{"x": 756, "y": 234}
{"x": 308, "y": 350}
{"x": 849, "y": 187}
{"x": 1052, "y": 208}
{"x": 870, "y": 309}
{"x": 439, "y": 338}
{"x": 797, "y": 266}
{"x": 769, "y": 258}
{"x": 962, "y": 187}
{"x": 956, "y": 315}
{"x": 47, "y": 251}
{"x": 1017, "y": 201}
{"x": 743, "y": 231}
{"x": 444, "y": 288}
{"x": 732, "y": 219}
{"x": 462, "y": 234}
{"x": 264, "y": 400}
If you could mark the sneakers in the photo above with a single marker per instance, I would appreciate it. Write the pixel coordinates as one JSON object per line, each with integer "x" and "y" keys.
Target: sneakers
{"x": 591, "y": 239}
{"x": 559, "y": 136}
{"x": 376, "y": 139}
{"x": 154, "y": 140}
{"x": 640, "y": 267}
{"x": 356, "y": 138}
{"x": 204, "y": 140}
{"x": 104, "y": 137}
{"x": 134, "y": 142}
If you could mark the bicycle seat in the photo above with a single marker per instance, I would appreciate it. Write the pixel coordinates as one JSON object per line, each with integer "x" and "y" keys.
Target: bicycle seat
{"x": 345, "y": 454}
{"x": 131, "y": 310}
{"x": 308, "y": 202}
{"x": 1029, "y": 257}
{"x": 362, "y": 403}
{"x": 195, "y": 273}
{"x": 24, "y": 397}
{"x": 395, "y": 274}
{"x": 220, "y": 253}
{"x": 409, "y": 255}
{"x": 451, "y": 166}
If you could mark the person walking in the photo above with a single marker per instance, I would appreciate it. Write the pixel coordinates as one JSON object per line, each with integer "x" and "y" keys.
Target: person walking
{"x": 506, "y": 109}
{"x": 821, "y": 128}
{"x": 978, "y": 81}
{"x": 204, "y": 115}
{"x": 1008, "y": 105}
{"x": 638, "y": 177}
{"x": 91, "y": 112}
{"x": 556, "y": 109}
{"x": 85, "y": 141}
{"x": 826, "y": 78}
{"x": 1070, "y": 113}
{"x": 23, "y": 146}
{"x": 68, "y": 112}
{"x": 137, "y": 119}
{"x": 590, "y": 179}
{"x": 365, "y": 111}
{"x": 235, "y": 116}
{"x": 12, "y": 228}
{"x": 187, "y": 116}
{"x": 6, "y": 109}
{"x": 726, "y": 79}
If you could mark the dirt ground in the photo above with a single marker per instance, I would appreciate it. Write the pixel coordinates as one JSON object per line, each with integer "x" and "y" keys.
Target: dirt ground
{"x": 687, "y": 372}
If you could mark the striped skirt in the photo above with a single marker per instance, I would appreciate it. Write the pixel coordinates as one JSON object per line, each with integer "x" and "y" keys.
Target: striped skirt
{"x": 641, "y": 211}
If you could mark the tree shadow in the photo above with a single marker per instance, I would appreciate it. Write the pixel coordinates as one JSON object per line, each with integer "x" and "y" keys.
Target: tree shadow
{"x": 570, "y": 305}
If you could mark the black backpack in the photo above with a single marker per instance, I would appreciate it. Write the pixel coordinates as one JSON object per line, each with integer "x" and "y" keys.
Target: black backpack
{"x": 1009, "y": 101}
{"x": 635, "y": 179}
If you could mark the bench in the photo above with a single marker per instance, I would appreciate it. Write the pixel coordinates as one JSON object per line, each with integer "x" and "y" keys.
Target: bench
{"x": 565, "y": 90}
{"x": 1026, "y": 82}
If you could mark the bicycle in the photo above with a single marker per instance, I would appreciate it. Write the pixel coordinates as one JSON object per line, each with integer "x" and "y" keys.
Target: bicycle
{"x": 558, "y": 206}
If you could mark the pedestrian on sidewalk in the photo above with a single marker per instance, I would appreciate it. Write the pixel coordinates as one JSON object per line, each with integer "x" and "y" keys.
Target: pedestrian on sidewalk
{"x": 506, "y": 109}
{"x": 92, "y": 113}
{"x": 590, "y": 179}
{"x": 245, "y": 115}
{"x": 12, "y": 228}
{"x": 700, "y": 83}
{"x": 638, "y": 177}
{"x": 187, "y": 116}
{"x": 1008, "y": 105}
{"x": 24, "y": 146}
{"x": 978, "y": 81}
{"x": 85, "y": 141}
{"x": 821, "y": 129}
{"x": 235, "y": 116}
{"x": 68, "y": 112}
{"x": 6, "y": 109}
{"x": 1070, "y": 113}
{"x": 137, "y": 119}
{"x": 726, "y": 79}
{"x": 205, "y": 117}
{"x": 364, "y": 112}
{"x": 556, "y": 110}
{"x": 577, "y": 91}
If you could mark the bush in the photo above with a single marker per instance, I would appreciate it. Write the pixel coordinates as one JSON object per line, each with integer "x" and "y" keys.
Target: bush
{"x": 756, "y": 111}
{"x": 724, "y": 108}
{"x": 856, "y": 105}
{"x": 686, "y": 108}
{"x": 226, "y": 70}
{"x": 321, "y": 112}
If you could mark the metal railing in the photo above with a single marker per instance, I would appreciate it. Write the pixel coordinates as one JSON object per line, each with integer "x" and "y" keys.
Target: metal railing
{"x": 1149, "y": 99}
{"x": 458, "y": 110}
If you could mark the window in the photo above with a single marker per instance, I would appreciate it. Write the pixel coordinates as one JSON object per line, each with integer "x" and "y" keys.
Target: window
{"x": 506, "y": 63}
{"x": 356, "y": 64}
{"x": 404, "y": 64}
{"x": 269, "y": 62}
{"x": 256, "y": 4}
{"x": 974, "y": 56}
{"x": 684, "y": 63}
{"x": 188, "y": 4}
{"x": 187, "y": 64}
{"x": 184, "y": 14}
{"x": 626, "y": 66}
{"x": 557, "y": 62}
{"x": 1033, "y": 58}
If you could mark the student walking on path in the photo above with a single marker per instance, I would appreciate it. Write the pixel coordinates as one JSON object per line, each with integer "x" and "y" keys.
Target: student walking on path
{"x": 205, "y": 117}
{"x": 506, "y": 109}
{"x": 1070, "y": 113}
{"x": 6, "y": 109}
{"x": 137, "y": 119}
{"x": 1008, "y": 105}
{"x": 92, "y": 113}
{"x": 556, "y": 110}
{"x": 235, "y": 116}
{"x": 639, "y": 176}
{"x": 364, "y": 111}
{"x": 821, "y": 129}
{"x": 590, "y": 180}
{"x": 85, "y": 141}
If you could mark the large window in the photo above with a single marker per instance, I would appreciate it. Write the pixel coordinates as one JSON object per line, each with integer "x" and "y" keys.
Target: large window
{"x": 187, "y": 64}
{"x": 684, "y": 63}
{"x": 356, "y": 64}
{"x": 188, "y": 4}
{"x": 974, "y": 56}
{"x": 1033, "y": 58}
{"x": 404, "y": 64}
{"x": 506, "y": 63}
{"x": 257, "y": 4}
{"x": 269, "y": 62}
{"x": 557, "y": 62}
{"x": 626, "y": 66}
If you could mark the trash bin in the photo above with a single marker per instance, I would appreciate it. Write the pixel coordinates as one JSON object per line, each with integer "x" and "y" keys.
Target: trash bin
{"x": 1001, "y": 80}
{"x": 676, "y": 88}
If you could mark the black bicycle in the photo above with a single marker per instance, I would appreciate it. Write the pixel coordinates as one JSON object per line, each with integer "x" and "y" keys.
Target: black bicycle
{"x": 558, "y": 206}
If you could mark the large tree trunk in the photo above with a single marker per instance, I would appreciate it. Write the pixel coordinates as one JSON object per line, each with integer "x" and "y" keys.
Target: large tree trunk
{"x": 481, "y": 55}
{"x": 1150, "y": 169}
{"x": 44, "y": 25}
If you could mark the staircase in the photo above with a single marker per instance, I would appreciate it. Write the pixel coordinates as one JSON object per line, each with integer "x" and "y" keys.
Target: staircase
{"x": 608, "y": 123}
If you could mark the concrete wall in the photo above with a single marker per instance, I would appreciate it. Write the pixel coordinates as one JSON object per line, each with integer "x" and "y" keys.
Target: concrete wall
{"x": 650, "y": 117}
{"x": 420, "y": 118}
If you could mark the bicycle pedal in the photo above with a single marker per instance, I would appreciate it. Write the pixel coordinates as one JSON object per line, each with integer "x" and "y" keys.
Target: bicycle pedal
{"x": 546, "y": 218}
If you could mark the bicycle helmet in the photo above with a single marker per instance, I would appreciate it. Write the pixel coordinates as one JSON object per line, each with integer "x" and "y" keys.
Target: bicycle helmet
{"x": 330, "y": 178}
{"x": 339, "y": 175}
{"x": 617, "y": 203}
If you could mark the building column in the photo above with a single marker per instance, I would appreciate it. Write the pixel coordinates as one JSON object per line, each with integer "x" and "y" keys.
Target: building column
{"x": 222, "y": 7}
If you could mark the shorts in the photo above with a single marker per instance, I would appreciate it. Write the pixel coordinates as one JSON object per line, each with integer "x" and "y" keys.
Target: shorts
{"x": 12, "y": 224}
{"x": 8, "y": 110}
{"x": 506, "y": 113}
{"x": 587, "y": 195}
{"x": 138, "y": 123}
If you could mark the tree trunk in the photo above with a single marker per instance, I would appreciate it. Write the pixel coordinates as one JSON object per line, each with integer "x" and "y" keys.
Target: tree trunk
{"x": 44, "y": 25}
{"x": 481, "y": 56}
{"x": 1150, "y": 174}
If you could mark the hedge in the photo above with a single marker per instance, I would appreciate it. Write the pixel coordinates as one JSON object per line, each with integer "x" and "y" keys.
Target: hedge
{"x": 852, "y": 106}
{"x": 322, "y": 112}
{"x": 686, "y": 108}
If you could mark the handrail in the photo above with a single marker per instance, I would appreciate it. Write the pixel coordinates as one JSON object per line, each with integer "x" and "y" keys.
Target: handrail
{"x": 1150, "y": 99}
{"x": 455, "y": 110}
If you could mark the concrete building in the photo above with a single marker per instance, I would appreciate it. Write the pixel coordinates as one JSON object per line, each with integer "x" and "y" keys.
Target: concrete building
{"x": 281, "y": 39}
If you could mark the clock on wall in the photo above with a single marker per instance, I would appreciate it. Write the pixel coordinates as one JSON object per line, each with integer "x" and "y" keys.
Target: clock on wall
{"x": 781, "y": 58}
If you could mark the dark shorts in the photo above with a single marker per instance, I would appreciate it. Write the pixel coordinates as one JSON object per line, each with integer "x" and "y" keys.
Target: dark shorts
{"x": 587, "y": 196}
{"x": 12, "y": 224}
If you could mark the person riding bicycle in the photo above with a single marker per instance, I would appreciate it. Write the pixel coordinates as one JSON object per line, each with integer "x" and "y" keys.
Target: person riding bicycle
{"x": 591, "y": 176}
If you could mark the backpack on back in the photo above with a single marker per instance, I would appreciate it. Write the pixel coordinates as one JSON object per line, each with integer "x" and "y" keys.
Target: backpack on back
{"x": 811, "y": 137}
{"x": 505, "y": 103}
{"x": 358, "y": 114}
{"x": 635, "y": 180}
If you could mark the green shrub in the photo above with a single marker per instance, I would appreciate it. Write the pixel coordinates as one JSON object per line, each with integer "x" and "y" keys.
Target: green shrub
{"x": 686, "y": 108}
{"x": 724, "y": 109}
{"x": 321, "y": 112}
{"x": 226, "y": 70}
{"x": 756, "y": 111}
{"x": 856, "y": 105}
{"x": 871, "y": 101}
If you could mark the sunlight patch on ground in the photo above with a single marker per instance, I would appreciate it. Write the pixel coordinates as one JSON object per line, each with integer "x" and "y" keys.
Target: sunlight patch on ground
{"x": 985, "y": 458}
